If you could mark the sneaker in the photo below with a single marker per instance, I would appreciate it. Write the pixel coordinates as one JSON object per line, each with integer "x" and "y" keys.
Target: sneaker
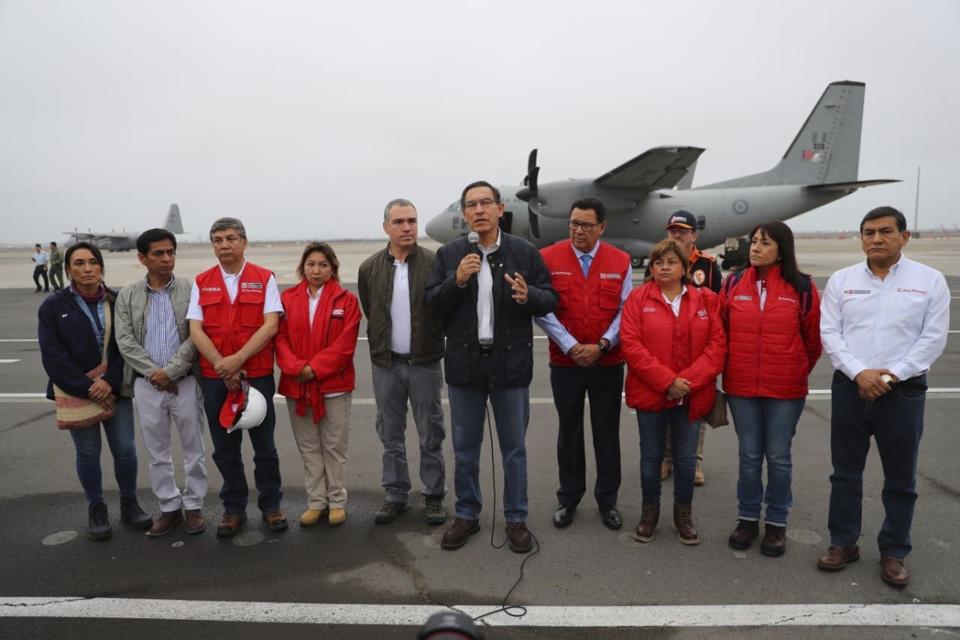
{"x": 133, "y": 515}
{"x": 337, "y": 517}
{"x": 433, "y": 513}
{"x": 165, "y": 523}
{"x": 390, "y": 511}
{"x": 98, "y": 523}
{"x": 458, "y": 533}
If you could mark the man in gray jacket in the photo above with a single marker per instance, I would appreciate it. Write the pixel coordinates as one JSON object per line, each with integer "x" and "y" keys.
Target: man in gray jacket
{"x": 154, "y": 339}
{"x": 406, "y": 345}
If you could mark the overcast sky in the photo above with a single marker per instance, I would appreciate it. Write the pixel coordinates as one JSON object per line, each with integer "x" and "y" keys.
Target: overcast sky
{"x": 304, "y": 118}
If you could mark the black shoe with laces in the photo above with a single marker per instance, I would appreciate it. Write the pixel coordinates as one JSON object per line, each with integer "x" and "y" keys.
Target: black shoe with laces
{"x": 133, "y": 515}
{"x": 98, "y": 524}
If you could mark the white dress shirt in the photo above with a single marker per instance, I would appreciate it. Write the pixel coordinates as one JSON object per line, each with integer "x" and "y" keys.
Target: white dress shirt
{"x": 675, "y": 303}
{"x": 563, "y": 338}
{"x": 271, "y": 301}
{"x": 40, "y": 258}
{"x": 485, "y": 293}
{"x": 400, "y": 309}
{"x": 898, "y": 323}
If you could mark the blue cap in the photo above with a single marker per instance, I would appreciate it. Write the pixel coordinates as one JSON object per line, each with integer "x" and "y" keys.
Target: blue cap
{"x": 683, "y": 219}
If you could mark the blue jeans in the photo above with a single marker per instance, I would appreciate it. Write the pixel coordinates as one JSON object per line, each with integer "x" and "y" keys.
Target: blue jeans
{"x": 120, "y": 438}
{"x": 228, "y": 456}
{"x": 765, "y": 429}
{"x": 895, "y": 420}
{"x": 511, "y": 412}
{"x": 653, "y": 436}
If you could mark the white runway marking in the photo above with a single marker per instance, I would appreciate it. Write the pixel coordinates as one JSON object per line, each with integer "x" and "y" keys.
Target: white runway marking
{"x": 9, "y": 360}
{"x": 845, "y": 615}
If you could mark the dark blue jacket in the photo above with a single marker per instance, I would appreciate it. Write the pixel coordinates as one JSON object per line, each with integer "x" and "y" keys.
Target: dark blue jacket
{"x": 512, "y": 363}
{"x": 69, "y": 348}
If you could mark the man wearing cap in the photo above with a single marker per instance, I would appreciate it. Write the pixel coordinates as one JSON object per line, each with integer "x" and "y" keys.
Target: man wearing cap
{"x": 592, "y": 280}
{"x": 234, "y": 314}
{"x": 154, "y": 339}
{"x": 704, "y": 272}
{"x": 883, "y": 323}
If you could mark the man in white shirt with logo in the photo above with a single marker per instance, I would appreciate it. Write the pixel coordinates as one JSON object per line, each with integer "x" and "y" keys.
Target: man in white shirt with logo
{"x": 883, "y": 323}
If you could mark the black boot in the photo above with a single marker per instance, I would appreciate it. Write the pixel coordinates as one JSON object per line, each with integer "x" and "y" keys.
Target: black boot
{"x": 133, "y": 515}
{"x": 98, "y": 524}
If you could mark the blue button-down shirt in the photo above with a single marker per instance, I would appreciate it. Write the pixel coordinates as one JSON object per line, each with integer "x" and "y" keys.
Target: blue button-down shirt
{"x": 161, "y": 340}
{"x": 898, "y": 323}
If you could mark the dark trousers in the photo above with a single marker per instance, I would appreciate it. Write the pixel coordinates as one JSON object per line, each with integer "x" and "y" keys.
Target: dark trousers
{"x": 228, "y": 456}
{"x": 603, "y": 385}
{"x": 40, "y": 271}
{"x": 895, "y": 420}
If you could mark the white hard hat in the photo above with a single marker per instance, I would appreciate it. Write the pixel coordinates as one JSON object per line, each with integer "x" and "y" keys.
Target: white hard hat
{"x": 243, "y": 408}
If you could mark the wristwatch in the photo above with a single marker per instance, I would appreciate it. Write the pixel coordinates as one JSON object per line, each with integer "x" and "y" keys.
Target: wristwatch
{"x": 603, "y": 345}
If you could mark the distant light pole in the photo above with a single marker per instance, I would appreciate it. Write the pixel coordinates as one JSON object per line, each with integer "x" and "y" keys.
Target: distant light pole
{"x": 916, "y": 207}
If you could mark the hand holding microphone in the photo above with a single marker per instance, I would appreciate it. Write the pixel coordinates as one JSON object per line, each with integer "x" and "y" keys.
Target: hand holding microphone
{"x": 470, "y": 264}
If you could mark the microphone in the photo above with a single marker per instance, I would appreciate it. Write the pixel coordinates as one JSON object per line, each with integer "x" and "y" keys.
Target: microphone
{"x": 474, "y": 239}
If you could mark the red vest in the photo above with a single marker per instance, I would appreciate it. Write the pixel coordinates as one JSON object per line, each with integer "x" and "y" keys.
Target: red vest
{"x": 588, "y": 305}
{"x": 230, "y": 325}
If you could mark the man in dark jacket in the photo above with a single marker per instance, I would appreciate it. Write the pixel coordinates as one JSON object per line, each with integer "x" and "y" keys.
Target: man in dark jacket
{"x": 487, "y": 294}
{"x": 406, "y": 344}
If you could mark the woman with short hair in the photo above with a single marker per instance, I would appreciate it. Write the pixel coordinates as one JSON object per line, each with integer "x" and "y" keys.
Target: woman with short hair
{"x": 78, "y": 348}
{"x": 671, "y": 336}
{"x": 315, "y": 346}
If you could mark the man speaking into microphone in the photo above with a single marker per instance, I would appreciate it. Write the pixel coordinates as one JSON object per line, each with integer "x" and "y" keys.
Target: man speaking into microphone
{"x": 487, "y": 293}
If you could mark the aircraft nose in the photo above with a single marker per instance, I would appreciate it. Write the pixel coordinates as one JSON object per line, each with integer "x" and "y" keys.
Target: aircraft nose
{"x": 433, "y": 227}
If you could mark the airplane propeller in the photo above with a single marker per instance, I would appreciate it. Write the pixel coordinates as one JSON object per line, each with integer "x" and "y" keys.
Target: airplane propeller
{"x": 531, "y": 192}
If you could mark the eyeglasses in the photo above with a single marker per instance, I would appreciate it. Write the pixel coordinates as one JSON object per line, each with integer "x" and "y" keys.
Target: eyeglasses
{"x": 586, "y": 226}
{"x": 476, "y": 204}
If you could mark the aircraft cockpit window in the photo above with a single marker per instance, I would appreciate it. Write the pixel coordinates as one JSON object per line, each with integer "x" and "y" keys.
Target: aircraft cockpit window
{"x": 701, "y": 223}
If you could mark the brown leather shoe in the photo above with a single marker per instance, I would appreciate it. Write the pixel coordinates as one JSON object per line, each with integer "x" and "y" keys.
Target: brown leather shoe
{"x": 683, "y": 523}
{"x": 742, "y": 537}
{"x": 519, "y": 537}
{"x": 165, "y": 523}
{"x": 893, "y": 572}
{"x": 649, "y": 517}
{"x": 457, "y": 534}
{"x": 836, "y": 558}
{"x": 194, "y": 521}
{"x": 230, "y": 524}
{"x": 275, "y": 520}
{"x": 774, "y": 542}
{"x": 665, "y": 469}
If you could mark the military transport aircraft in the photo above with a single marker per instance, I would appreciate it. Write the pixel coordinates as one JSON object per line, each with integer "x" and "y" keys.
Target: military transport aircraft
{"x": 820, "y": 166}
{"x": 125, "y": 241}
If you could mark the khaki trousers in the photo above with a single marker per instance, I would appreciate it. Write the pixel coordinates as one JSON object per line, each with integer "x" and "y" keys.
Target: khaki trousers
{"x": 323, "y": 448}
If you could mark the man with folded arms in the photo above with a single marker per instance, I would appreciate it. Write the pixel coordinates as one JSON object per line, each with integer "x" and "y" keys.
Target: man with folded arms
{"x": 883, "y": 323}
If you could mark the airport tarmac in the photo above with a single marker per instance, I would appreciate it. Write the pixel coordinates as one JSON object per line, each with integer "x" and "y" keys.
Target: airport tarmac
{"x": 364, "y": 580}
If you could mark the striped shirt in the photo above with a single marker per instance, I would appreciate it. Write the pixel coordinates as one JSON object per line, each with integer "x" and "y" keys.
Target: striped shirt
{"x": 161, "y": 338}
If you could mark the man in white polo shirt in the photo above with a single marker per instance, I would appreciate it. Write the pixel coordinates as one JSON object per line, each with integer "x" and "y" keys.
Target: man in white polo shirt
{"x": 883, "y": 323}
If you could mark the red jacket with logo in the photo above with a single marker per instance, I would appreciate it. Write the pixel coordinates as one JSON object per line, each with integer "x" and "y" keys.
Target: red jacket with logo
{"x": 587, "y": 305}
{"x": 770, "y": 353}
{"x": 327, "y": 346}
{"x": 659, "y": 347}
{"x": 230, "y": 325}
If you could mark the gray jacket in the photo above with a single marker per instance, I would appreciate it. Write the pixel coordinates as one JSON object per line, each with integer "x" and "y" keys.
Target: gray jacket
{"x": 130, "y": 328}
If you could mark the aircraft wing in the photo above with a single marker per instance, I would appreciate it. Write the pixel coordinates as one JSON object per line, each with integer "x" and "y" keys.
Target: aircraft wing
{"x": 80, "y": 236}
{"x": 847, "y": 187}
{"x": 658, "y": 168}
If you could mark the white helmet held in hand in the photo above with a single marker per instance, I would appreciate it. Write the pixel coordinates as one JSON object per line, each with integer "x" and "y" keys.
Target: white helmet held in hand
{"x": 243, "y": 408}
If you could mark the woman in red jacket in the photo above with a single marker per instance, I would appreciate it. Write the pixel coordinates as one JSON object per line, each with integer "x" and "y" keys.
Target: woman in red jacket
{"x": 672, "y": 338}
{"x": 772, "y": 314}
{"x": 315, "y": 345}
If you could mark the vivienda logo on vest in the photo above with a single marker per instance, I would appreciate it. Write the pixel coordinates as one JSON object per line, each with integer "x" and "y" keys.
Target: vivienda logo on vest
{"x": 783, "y": 299}
{"x": 611, "y": 276}
{"x": 337, "y": 313}
{"x": 210, "y": 290}
{"x": 702, "y": 314}
{"x": 252, "y": 285}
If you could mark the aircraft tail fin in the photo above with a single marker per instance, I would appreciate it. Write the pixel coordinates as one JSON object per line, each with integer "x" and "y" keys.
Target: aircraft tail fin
{"x": 173, "y": 223}
{"x": 826, "y": 150}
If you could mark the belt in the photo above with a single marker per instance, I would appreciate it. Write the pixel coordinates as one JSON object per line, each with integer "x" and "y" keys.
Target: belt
{"x": 486, "y": 350}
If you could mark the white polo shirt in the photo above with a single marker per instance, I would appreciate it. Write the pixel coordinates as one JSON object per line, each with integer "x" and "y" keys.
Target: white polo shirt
{"x": 898, "y": 323}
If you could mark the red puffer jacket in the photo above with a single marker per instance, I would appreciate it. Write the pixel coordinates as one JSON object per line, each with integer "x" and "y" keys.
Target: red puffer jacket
{"x": 770, "y": 353}
{"x": 327, "y": 347}
{"x": 660, "y": 347}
